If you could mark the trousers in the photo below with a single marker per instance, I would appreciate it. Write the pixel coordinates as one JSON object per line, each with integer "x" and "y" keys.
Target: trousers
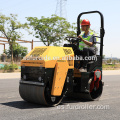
{"x": 86, "y": 52}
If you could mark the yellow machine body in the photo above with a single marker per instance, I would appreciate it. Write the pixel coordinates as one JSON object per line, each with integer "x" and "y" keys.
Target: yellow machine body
{"x": 60, "y": 58}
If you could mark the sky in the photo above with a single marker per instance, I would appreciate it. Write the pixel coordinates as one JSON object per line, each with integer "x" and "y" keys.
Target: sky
{"x": 37, "y": 8}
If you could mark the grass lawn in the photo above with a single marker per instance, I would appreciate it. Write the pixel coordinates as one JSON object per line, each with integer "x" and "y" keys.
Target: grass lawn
{"x": 111, "y": 67}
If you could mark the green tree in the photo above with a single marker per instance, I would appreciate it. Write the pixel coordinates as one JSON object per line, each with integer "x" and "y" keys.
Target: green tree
{"x": 9, "y": 27}
{"x": 18, "y": 50}
{"x": 51, "y": 30}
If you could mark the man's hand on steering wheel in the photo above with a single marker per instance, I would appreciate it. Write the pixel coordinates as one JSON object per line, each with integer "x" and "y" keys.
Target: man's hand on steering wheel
{"x": 80, "y": 38}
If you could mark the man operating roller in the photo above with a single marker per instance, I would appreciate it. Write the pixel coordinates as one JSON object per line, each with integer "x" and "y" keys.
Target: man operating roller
{"x": 87, "y": 45}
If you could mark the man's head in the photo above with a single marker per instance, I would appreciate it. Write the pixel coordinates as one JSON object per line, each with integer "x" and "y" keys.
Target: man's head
{"x": 85, "y": 25}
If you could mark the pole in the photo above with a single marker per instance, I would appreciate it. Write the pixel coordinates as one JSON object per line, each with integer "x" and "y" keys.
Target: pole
{"x": 4, "y": 47}
{"x": 32, "y": 45}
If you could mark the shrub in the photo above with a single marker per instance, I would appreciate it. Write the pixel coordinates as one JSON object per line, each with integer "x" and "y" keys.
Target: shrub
{"x": 6, "y": 67}
{"x": 10, "y": 67}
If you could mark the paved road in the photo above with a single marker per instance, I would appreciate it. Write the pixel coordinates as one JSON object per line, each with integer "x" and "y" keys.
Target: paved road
{"x": 12, "y": 107}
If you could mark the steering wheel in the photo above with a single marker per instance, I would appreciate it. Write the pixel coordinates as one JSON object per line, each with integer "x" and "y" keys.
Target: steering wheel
{"x": 74, "y": 42}
{"x": 73, "y": 39}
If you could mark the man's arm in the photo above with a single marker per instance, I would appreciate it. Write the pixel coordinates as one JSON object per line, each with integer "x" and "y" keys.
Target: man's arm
{"x": 86, "y": 42}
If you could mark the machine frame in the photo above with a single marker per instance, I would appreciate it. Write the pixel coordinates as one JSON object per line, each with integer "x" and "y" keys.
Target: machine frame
{"x": 46, "y": 82}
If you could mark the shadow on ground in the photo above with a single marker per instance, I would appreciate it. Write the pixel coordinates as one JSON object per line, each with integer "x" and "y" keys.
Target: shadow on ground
{"x": 28, "y": 105}
{"x": 67, "y": 100}
{"x": 23, "y": 105}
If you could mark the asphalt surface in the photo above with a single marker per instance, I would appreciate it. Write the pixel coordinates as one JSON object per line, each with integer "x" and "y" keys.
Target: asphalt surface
{"x": 12, "y": 107}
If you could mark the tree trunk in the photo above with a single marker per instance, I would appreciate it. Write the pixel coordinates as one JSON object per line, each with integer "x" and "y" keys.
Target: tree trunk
{"x": 11, "y": 47}
{"x": 17, "y": 59}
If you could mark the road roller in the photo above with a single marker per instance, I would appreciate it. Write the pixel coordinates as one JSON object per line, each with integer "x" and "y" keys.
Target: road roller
{"x": 50, "y": 73}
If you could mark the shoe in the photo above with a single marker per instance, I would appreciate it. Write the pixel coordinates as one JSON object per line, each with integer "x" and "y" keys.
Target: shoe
{"x": 82, "y": 69}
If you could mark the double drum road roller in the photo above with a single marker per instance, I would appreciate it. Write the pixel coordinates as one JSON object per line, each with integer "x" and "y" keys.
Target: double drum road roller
{"x": 48, "y": 73}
